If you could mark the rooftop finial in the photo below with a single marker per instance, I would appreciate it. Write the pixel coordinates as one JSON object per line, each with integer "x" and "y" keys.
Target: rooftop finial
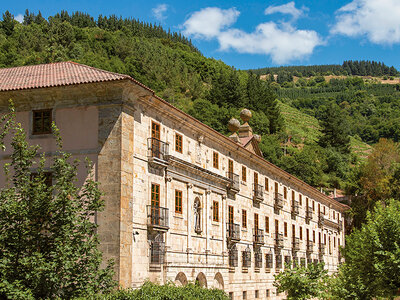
{"x": 245, "y": 115}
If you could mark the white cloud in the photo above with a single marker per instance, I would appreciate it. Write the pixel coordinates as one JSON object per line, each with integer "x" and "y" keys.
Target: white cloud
{"x": 379, "y": 20}
{"x": 159, "y": 11}
{"x": 288, "y": 8}
{"x": 19, "y": 18}
{"x": 208, "y": 22}
{"x": 282, "y": 42}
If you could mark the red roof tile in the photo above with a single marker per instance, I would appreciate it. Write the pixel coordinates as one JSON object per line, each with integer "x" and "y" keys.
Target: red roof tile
{"x": 55, "y": 74}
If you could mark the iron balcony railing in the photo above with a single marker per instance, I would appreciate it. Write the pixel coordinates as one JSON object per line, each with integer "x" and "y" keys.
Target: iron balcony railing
{"x": 233, "y": 257}
{"x": 279, "y": 240}
{"x": 269, "y": 261}
{"x": 258, "y": 259}
{"x": 258, "y": 236}
{"x": 309, "y": 214}
{"x": 157, "y": 149}
{"x": 258, "y": 192}
{"x": 246, "y": 258}
{"x": 157, "y": 252}
{"x": 321, "y": 248}
{"x": 279, "y": 261}
{"x": 234, "y": 182}
{"x": 296, "y": 244}
{"x": 295, "y": 207}
{"x": 233, "y": 231}
{"x": 310, "y": 246}
{"x": 321, "y": 220}
{"x": 278, "y": 201}
{"x": 157, "y": 217}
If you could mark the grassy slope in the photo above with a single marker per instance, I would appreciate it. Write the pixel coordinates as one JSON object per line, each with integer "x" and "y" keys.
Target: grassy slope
{"x": 305, "y": 129}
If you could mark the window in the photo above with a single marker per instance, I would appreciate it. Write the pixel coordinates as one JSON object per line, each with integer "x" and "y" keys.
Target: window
{"x": 293, "y": 231}
{"x": 267, "y": 224}
{"x": 256, "y": 222}
{"x": 244, "y": 218}
{"x": 230, "y": 214}
{"x": 178, "y": 201}
{"x": 256, "y": 294}
{"x": 313, "y": 206}
{"x": 324, "y": 210}
{"x": 244, "y": 295}
{"x": 276, "y": 227}
{"x": 41, "y": 121}
{"x": 333, "y": 215}
{"x": 325, "y": 239}
{"x": 244, "y": 174}
{"x": 285, "y": 229}
{"x": 334, "y": 242}
{"x": 266, "y": 184}
{"x": 216, "y": 211}
{"x": 300, "y": 200}
{"x": 231, "y": 295}
{"x": 313, "y": 236}
{"x": 307, "y": 234}
{"x": 267, "y": 293}
{"x": 285, "y": 192}
{"x": 230, "y": 167}
{"x": 255, "y": 178}
{"x": 155, "y": 130}
{"x": 293, "y": 196}
{"x": 155, "y": 194}
{"x": 301, "y": 233}
{"x": 48, "y": 178}
{"x": 215, "y": 160}
{"x": 178, "y": 143}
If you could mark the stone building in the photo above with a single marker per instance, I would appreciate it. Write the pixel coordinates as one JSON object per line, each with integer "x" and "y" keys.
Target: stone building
{"x": 182, "y": 201}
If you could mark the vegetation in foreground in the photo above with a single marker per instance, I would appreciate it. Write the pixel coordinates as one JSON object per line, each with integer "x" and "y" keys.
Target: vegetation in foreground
{"x": 371, "y": 267}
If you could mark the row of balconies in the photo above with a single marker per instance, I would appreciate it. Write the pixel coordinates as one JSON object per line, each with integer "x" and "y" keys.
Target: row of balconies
{"x": 159, "y": 155}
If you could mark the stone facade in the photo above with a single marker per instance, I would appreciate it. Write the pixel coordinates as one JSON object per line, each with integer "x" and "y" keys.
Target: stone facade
{"x": 195, "y": 228}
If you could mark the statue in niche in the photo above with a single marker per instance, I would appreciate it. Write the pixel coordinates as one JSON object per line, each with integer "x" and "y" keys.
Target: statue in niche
{"x": 200, "y": 140}
{"x": 197, "y": 216}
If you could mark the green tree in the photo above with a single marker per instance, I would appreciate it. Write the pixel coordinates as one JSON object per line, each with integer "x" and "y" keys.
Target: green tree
{"x": 372, "y": 257}
{"x": 335, "y": 130}
{"x": 302, "y": 283}
{"x": 48, "y": 244}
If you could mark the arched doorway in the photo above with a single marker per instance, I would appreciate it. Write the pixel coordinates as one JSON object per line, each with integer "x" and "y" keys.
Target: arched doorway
{"x": 201, "y": 280}
{"x": 218, "y": 281}
{"x": 180, "y": 279}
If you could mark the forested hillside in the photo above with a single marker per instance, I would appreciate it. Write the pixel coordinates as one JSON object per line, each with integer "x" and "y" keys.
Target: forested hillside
{"x": 316, "y": 130}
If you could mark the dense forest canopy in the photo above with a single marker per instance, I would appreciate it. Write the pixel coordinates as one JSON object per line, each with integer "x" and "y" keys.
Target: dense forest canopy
{"x": 311, "y": 127}
{"x": 349, "y": 67}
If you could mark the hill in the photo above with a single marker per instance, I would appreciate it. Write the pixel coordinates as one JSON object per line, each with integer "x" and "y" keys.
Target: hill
{"x": 213, "y": 92}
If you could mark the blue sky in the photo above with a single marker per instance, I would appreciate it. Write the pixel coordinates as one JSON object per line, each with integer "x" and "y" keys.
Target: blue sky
{"x": 252, "y": 34}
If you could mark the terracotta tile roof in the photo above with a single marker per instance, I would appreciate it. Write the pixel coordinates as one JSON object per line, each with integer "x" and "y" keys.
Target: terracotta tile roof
{"x": 245, "y": 140}
{"x": 54, "y": 74}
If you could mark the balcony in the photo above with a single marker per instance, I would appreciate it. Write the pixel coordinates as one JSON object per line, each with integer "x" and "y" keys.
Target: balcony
{"x": 246, "y": 258}
{"x": 296, "y": 244}
{"x": 269, "y": 261}
{"x": 258, "y": 193}
{"x": 157, "y": 152}
{"x": 157, "y": 251}
{"x": 295, "y": 208}
{"x": 309, "y": 214}
{"x": 321, "y": 220}
{"x": 332, "y": 224}
{"x": 258, "y": 237}
{"x": 278, "y": 240}
{"x": 233, "y": 232}
{"x": 321, "y": 249}
{"x": 157, "y": 218}
{"x": 258, "y": 259}
{"x": 310, "y": 247}
{"x": 278, "y": 201}
{"x": 234, "y": 182}
{"x": 233, "y": 257}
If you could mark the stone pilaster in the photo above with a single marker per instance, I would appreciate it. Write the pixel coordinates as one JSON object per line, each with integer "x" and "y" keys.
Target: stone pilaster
{"x": 189, "y": 206}
{"x": 208, "y": 221}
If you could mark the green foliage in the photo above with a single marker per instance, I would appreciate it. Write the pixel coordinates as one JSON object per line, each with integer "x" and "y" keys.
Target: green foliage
{"x": 372, "y": 257}
{"x": 48, "y": 244}
{"x": 302, "y": 283}
{"x": 166, "y": 292}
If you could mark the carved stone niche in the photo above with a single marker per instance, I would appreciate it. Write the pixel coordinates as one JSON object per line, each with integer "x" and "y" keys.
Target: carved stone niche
{"x": 197, "y": 215}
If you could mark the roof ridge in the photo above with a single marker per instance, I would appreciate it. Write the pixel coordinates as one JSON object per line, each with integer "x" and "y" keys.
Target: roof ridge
{"x": 97, "y": 69}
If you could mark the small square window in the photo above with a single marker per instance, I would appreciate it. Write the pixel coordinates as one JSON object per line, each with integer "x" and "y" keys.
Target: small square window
{"x": 41, "y": 121}
{"x": 178, "y": 143}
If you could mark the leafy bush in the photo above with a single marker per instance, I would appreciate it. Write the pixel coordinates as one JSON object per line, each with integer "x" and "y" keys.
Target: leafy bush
{"x": 166, "y": 292}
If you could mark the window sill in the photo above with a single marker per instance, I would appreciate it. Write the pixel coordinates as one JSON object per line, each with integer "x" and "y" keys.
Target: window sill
{"x": 215, "y": 223}
{"x": 178, "y": 215}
